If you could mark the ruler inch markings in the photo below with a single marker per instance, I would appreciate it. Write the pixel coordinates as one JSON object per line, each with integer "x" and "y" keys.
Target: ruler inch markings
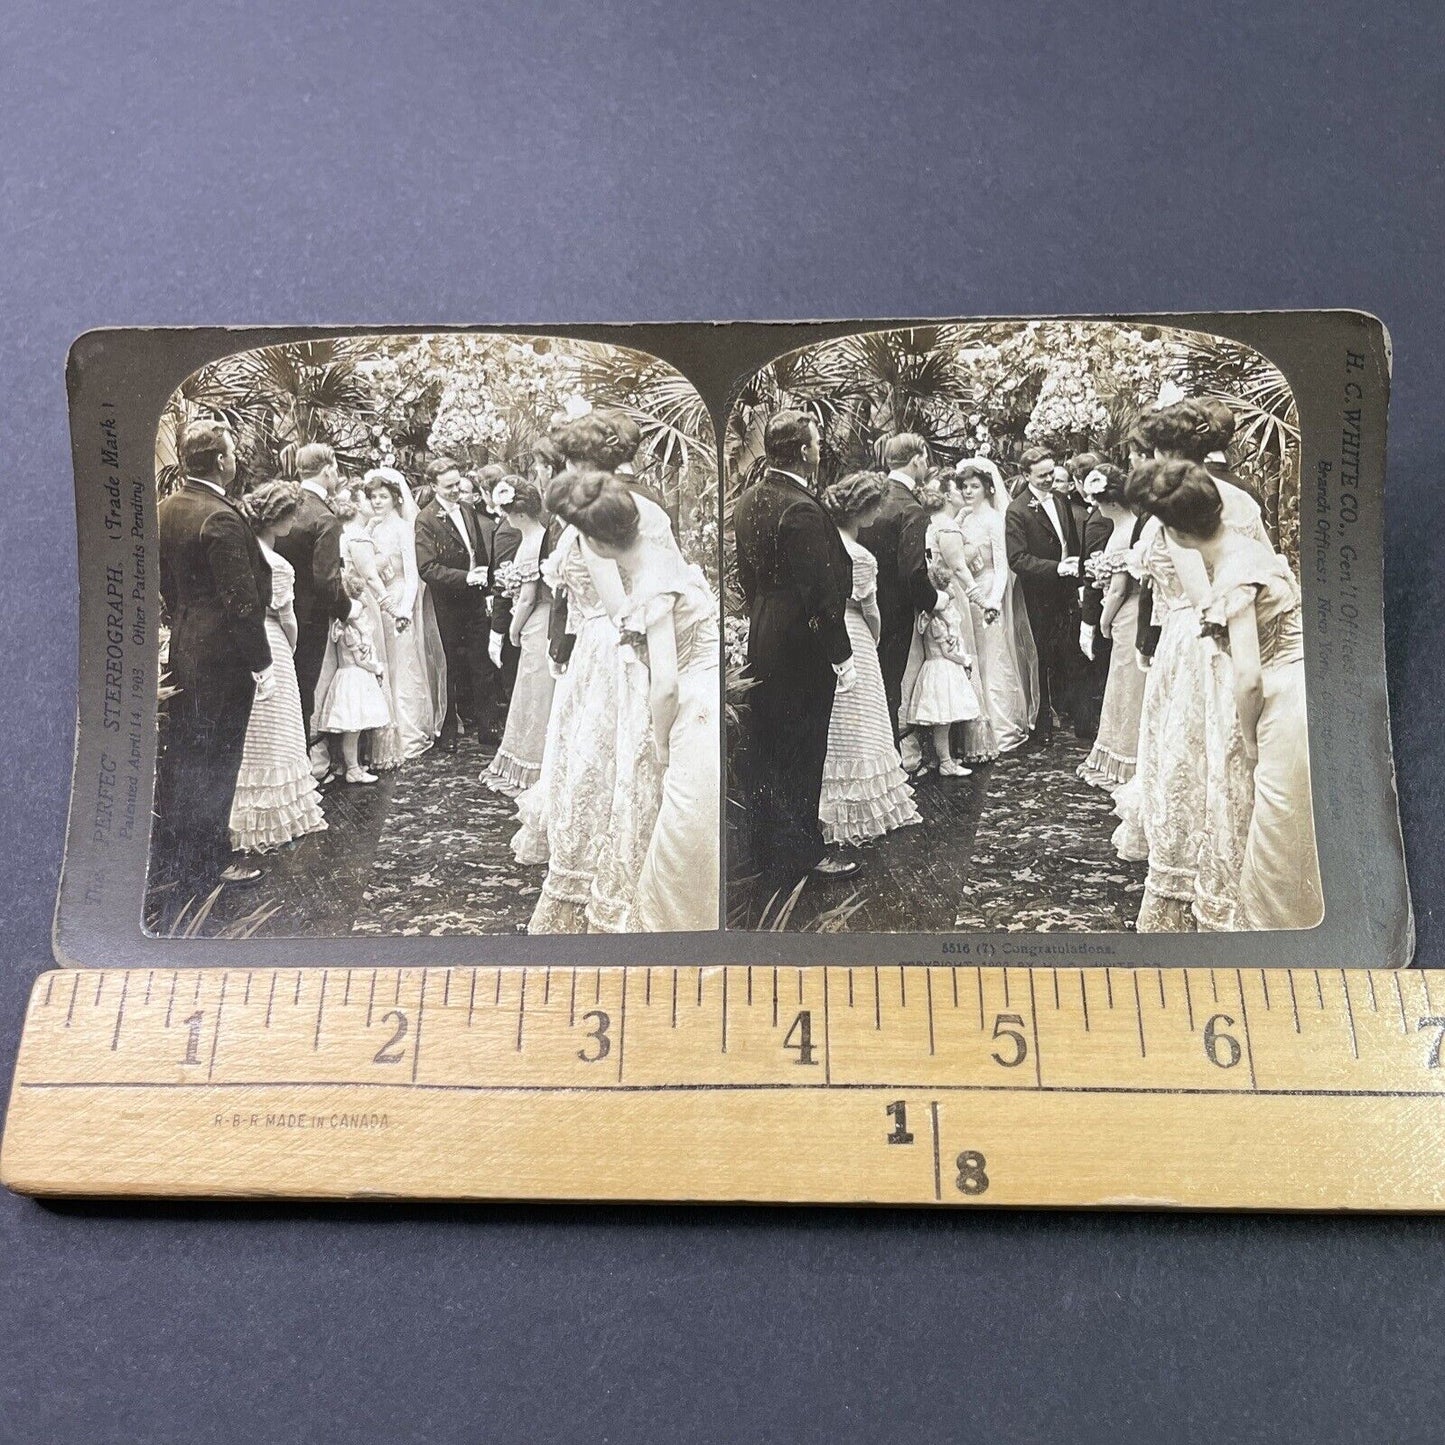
{"x": 1034, "y": 1023}
{"x": 1248, "y": 1038}
{"x": 937, "y": 1161}
{"x": 120, "y": 1012}
{"x": 320, "y": 1008}
{"x": 416, "y": 1039}
{"x": 928, "y": 980}
{"x": 831, "y": 1151}
{"x": 216, "y": 1029}
{"x": 1350, "y": 1014}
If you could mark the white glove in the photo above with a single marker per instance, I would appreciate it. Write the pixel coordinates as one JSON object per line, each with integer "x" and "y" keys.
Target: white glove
{"x": 942, "y": 602}
{"x": 1069, "y": 567}
{"x": 847, "y": 675}
{"x": 265, "y": 683}
{"x": 557, "y": 669}
{"x": 477, "y": 577}
{"x": 1086, "y": 641}
{"x": 494, "y": 648}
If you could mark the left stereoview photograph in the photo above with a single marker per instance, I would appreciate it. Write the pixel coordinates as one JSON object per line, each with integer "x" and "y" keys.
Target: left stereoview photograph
{"x": 437, "y": 643}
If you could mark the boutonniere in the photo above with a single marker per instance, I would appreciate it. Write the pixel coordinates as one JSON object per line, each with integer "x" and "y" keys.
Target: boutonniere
{"x": 1035, "y": 505}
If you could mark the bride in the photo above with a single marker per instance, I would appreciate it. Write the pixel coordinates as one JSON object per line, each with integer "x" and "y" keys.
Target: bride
{"x": 1006, "y": 664}
{"x": 416, "y": 668}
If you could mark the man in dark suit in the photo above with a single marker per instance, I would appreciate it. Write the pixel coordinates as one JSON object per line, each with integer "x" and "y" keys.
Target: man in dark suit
{"x": 1043, "y": 548}
{"x": 797, "y": 577}
{"x": 501, "y": 540}
{"x": 898, "y": 538}
{"x": 215, "y": 588}
{"x": 453, "y": 560}
{"x": 313, "y": 548}
{"x": 1095, "y": 530}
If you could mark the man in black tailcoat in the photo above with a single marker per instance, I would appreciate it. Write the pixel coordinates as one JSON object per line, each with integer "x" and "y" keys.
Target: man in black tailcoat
{"x": 313, "y": 548}
{"x": 1043, "y": 547}
{"x": 796, "y": 576}
{"x": 456, "y": 565}
{"x": 1094, "y": 530}
{"x": 898, "y": 538}
{"x": 215, "y": 588}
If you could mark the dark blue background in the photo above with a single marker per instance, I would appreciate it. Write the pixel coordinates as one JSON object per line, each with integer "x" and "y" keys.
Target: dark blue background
{"x": 446, "y": 161}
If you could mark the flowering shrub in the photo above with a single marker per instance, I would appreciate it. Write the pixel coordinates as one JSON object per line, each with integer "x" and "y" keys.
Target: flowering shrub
{"x": 735, "y": 643}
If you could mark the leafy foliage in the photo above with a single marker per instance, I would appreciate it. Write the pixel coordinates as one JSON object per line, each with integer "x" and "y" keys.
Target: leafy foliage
{"x": 399, "y": 400}
{"x": 994, "y": 388}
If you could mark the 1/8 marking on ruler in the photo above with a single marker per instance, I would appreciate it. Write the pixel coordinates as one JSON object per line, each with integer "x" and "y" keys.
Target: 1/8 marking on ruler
{"x": 738, "y": 1094}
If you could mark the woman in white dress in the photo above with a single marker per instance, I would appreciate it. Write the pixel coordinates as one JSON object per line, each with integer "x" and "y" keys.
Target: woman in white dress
{"x": 1006, "y": 666}
{"x": 416, "y": 678}
{"x": 591, "y": 814}
{"x": 1112, "y": 759}
{"x": 670, "y": 631}
{"x": 1252, "y": 617}
{"x": 276, "y": 800}
{"x": 1188, "y": 805}
{"x": 865, "y": 790}
{"x": 360, "y": 560}
{"x": 948, "y": 562}
{"x": 518, "y": 763}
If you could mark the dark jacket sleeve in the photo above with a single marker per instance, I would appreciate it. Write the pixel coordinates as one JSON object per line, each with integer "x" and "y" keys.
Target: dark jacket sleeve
{"x": 1022, "y": 562}
{"x": 806, "y": 540}
{"x": 326, "y": 569}
{"x": 1097, "y": 532}
{"x": 224, "y": 537}
{"x": 1146, "y": 634}
{"x": 504, "y": 544}
{"x": 913, "y": 561}
{"x": 451, "y": 581}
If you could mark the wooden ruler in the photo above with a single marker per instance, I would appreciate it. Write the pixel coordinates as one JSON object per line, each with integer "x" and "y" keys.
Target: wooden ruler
{"x": 916, "y": 1085}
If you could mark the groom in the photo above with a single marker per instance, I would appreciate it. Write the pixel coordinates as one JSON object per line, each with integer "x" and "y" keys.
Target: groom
{"x": 796, "y": 576}
{"x": 455, "y": 561}
{"x": 1042, "y": 541}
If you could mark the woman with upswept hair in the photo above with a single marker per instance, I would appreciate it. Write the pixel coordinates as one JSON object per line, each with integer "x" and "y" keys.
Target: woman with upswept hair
{"x": 518, "y": 762}
{"x": 1186, "y": 810}
{"x": 664, "y": 823}
{"x": 865, "y": 790}
{"x": 1114, "y": 754}
{"x": 276, "y": 800}
{"x": 1252, "y": 622}
{"x": 588, "y": 816}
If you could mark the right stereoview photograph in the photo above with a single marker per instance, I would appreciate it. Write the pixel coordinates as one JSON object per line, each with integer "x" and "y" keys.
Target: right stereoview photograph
{"x": 1014, "y": 636}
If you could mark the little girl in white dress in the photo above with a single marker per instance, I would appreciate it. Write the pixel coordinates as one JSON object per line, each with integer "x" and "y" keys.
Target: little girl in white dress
{"x": 942, "y": 693}
{"x": 354, "y": 701}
